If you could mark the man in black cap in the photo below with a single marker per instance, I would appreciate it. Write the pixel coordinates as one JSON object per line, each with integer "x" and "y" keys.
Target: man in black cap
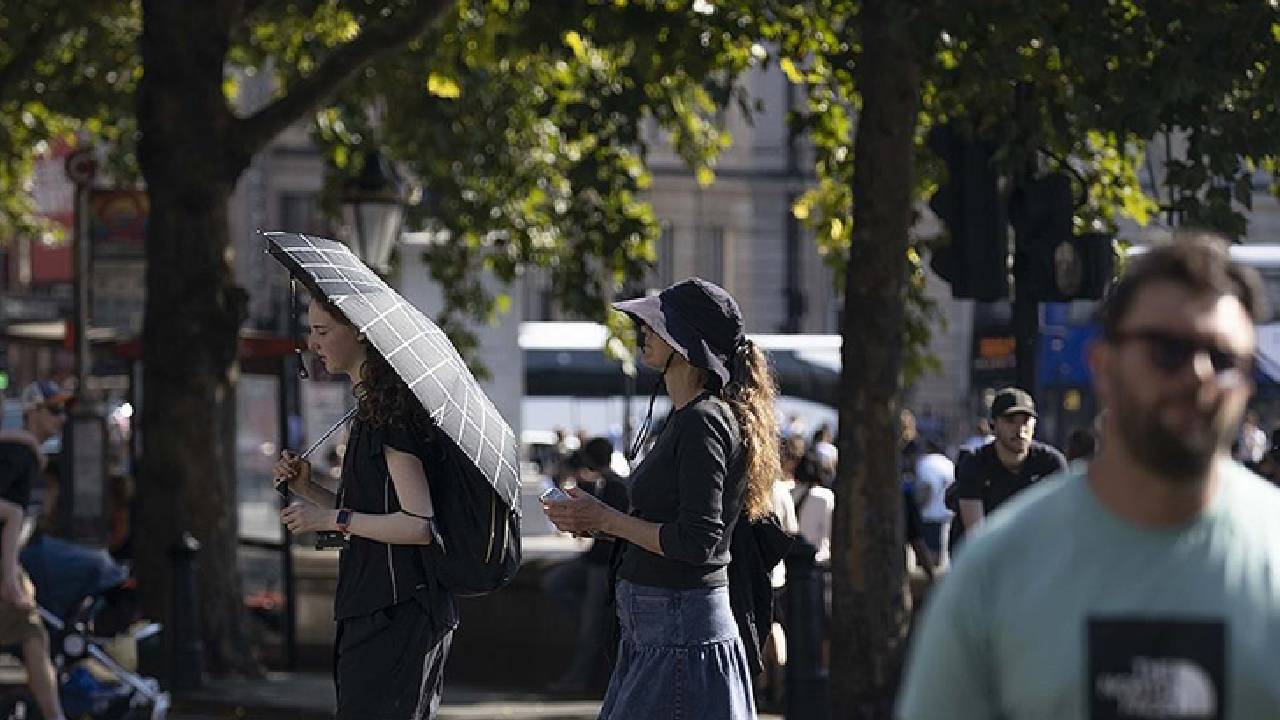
{"x": 1009, "y": 463}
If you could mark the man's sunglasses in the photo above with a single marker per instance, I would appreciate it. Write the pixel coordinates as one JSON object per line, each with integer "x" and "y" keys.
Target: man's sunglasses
{"x": 1171, "y": 353}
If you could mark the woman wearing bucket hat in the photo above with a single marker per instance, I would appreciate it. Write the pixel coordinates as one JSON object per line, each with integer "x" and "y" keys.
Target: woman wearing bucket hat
{"x": 714, "y": 460}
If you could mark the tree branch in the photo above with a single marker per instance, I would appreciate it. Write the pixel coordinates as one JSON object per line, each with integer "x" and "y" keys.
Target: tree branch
{"x": 390, "y": 33}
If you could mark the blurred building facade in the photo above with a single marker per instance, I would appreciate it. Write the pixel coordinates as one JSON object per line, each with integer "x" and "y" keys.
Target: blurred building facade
{"x": 740, "y": 233}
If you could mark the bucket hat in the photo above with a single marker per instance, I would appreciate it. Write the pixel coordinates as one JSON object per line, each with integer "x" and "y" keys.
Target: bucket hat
{"x": 698, "y": 319}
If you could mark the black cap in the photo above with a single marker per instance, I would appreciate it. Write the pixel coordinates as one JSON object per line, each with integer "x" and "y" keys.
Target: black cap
{"x": 1012, "y": 400}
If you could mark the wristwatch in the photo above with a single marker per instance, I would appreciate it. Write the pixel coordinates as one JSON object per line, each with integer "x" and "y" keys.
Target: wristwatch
{"x": 344, "y": 523}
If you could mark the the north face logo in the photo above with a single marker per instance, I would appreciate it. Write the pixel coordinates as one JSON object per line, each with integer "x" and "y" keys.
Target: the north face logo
{"x": 1161, "y": 688}
{"x": 1157, "y": 669}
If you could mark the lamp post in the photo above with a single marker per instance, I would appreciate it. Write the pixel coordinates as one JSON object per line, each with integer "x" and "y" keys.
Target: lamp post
{"x": 373, "y": 206}
{"x": 81, "y": 498}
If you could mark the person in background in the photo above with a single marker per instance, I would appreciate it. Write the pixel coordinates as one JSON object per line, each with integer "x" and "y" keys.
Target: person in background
{"x": 823, "y": 444}
{"x": 910, "y": 450}
{"x": 769, "y": 685}
{"x": 1007, "y": 465}
{"x": 120, "y": 494}
{"x": 582, "y": 584}
{"x": 930, "y": 424}
{"x": 795, "y": 426}
{"x": 934, "y": 474}
{"x": 21, "y": 461}
{"x": 909, "y": 439}
{"x": 1251, "y": 444}
{"x": 814, "y": 505}
{"x": 1082, "y": 444}
{"x": 980, "y": 437}
{"x": 1145, "y": 584}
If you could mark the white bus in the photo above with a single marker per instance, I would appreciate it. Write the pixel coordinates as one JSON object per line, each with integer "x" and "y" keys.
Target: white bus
{"x": 572, "y": 384}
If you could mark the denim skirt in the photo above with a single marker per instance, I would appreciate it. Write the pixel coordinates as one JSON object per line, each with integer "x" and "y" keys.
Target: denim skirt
{"x": 679, "y": 657}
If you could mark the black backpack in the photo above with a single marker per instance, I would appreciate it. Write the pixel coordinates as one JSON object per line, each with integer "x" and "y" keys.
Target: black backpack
{"x": 755, "y": 548}
{"x": 477, "y": 545}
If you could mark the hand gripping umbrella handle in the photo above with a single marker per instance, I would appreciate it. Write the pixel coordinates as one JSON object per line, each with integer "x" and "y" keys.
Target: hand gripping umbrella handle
{"x": 283, "y": 486}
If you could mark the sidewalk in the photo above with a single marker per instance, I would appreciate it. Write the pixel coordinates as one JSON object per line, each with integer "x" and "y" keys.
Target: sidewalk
{"x": 309, "y": 696}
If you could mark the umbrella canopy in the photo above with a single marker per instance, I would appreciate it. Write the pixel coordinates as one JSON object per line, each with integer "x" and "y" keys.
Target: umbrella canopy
{"x": 418, "y": 350}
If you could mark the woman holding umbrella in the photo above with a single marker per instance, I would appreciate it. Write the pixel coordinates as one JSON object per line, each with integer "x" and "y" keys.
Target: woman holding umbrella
{"x": 715, "y": 459}
{"x": 394, "y": 625}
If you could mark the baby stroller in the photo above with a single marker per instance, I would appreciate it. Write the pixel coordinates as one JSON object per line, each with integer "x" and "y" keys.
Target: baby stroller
{"x": 86, "y": 601}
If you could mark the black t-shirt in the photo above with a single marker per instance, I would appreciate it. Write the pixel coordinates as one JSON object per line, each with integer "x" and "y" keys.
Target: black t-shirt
{"x": 692, "y": 482}
{"x": 611, "y": 491}
{"x": 981, "y": 476}
{"x": 373, "y": 575}
{"x": 18, "y": 469}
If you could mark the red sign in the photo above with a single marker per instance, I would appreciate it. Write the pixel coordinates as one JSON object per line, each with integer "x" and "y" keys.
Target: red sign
{"x": 118, "y": 223}
{"x": 81, "y": 166}
{"x": 54, "y": 197}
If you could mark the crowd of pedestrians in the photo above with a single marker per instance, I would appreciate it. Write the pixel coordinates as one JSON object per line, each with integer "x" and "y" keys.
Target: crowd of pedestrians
{"x": 946, "y": 491}
{"x": 1129, "y": 575}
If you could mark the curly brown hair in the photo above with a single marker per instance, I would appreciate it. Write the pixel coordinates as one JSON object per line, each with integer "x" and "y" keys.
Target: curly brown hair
{"x": 382, "y": 398}
{"x": 751, "y": 396}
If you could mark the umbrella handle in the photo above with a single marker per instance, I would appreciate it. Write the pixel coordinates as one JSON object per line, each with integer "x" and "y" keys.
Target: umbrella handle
{"x": 282, "y": 487}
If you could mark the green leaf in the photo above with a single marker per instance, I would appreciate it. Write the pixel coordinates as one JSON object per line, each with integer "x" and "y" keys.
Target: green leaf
{"x": 443, "y": 87}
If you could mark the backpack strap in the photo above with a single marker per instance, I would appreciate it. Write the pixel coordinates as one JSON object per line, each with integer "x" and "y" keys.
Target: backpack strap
{"x": 800, "y": 503}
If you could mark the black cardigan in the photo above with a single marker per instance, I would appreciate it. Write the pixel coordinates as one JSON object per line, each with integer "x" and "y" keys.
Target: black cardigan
{"x": 692, "y": 482}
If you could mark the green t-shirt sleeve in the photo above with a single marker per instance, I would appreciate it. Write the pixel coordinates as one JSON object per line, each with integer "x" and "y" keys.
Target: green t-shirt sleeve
{"x": 949, "y": 667}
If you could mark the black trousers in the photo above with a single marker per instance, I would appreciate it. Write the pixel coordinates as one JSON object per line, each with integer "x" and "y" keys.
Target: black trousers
{"x": 389, "y": 665}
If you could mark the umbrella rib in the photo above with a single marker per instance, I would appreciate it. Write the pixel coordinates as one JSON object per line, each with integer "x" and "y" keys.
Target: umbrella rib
{"x": 429, "y": 374}
{"x": 484, "y": 419}
{"x": 463, "y": 417}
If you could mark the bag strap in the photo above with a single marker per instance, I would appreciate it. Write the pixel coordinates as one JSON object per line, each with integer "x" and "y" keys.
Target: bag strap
{"x": 800, "y": 503}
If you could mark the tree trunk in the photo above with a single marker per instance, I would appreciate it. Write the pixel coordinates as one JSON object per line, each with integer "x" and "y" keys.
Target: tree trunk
{"x": 192, "y": 150}
{"x": 192, "y": 320}
{"x": 871, "y": 599}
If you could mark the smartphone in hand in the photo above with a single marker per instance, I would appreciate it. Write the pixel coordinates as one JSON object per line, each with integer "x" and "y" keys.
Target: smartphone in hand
{"x": 554, "y": 495}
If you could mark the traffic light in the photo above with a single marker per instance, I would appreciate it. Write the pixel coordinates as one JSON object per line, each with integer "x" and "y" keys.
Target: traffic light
{"x": 1096, "y": 253}
{"x": 1063, "y": 266}
{"x": 968, "y": 203}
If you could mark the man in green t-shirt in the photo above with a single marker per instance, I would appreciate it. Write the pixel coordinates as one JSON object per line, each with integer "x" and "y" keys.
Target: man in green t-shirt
{"x": 1146, "y": 585}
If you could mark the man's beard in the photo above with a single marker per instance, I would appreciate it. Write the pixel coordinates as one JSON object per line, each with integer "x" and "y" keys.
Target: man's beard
{"x": 1177, "y": 456}
{"x": 1014, "y": 445}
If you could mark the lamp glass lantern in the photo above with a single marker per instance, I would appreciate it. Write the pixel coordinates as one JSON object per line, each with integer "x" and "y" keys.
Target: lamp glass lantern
{"x": 373, "y": 206}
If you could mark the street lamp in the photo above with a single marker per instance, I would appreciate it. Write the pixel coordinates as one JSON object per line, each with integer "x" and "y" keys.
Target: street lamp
{"x": 373, "y": 210}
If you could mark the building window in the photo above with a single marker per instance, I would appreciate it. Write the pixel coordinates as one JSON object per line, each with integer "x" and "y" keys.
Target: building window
{"x": 665, "y": 269}
{"x": 538, "y": 302}
{"x": 708, "y": 262}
